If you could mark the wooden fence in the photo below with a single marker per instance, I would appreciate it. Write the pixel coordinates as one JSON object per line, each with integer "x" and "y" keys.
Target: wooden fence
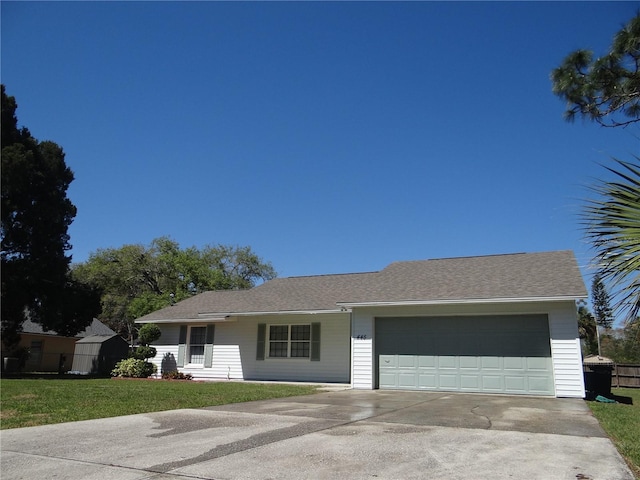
{"x": 626, "y": 376}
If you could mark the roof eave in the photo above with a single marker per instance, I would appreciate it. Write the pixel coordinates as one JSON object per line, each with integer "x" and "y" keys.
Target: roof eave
{"x": 461, "y": 301}
{"x": 165, "y": 320}
{"x": 233, "y": 316}
{"x": 285, "y": 312}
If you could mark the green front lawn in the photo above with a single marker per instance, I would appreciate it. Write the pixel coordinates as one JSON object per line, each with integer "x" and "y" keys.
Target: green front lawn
{"x": 30, "y": 402}
{"x": 621, "y": 421}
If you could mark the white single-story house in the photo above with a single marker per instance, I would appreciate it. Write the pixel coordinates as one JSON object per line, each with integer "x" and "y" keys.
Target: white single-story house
{"x": 489, "y": 324}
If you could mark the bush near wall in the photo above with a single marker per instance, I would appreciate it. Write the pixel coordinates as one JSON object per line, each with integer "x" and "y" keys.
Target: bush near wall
{"x": 133, "y": 367}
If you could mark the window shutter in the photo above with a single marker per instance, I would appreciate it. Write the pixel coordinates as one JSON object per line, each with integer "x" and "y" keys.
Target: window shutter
{"x": 182, "y": 347}
{"x": 208, "y": 347}
{"x": 315, "y": 342}
{"x": 262, "y": 332}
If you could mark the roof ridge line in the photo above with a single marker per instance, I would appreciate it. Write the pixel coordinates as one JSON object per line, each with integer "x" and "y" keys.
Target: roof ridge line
{"x": 477, "y": 256}
{"x": 327, "y": 275}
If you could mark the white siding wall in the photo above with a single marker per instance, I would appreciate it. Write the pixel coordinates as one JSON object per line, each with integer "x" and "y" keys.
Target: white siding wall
{"x": 235, "y": 348}
{"x": 563, "y": 329}
{"x": 566, "y": 352}
{"x": 334, "y": 364}
{"x": 362, "y": 374}
{"x": 167, "y": 347}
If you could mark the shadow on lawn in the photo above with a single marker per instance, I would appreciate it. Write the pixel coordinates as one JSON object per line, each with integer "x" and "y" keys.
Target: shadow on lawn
{"x": 621, "y": 399}
{"x": 593, "y": 397}
{"x": 49, "y": 376}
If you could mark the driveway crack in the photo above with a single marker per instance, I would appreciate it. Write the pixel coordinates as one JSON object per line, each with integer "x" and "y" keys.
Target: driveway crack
{"x": 482, "y": 416}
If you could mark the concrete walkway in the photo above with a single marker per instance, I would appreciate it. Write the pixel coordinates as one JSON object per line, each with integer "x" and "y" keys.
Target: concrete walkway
{"x": 345, "y": 434}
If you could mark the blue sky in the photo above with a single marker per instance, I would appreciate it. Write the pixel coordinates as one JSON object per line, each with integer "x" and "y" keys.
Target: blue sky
{"x": 330, "y": 137}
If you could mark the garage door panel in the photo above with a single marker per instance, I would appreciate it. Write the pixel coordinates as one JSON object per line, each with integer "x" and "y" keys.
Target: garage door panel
{"x": 447, "y": 362}
{"x": 388, "y": 380}
{"x": 507, "y": 354}
{"x": 514, "y": 363}
{"x": 388, "y": 360}
{"x": 428, "y": 381}
{"x": 492, "y": 383}
{"x": 470, "y": 362}
{"x": 427, "y": 361}
{"x": 491, "y": 363}
{"x": 448, "y": 381}
{"x": 538, "y": 384}
{"x": 537, "y": 363}
{"x": 407, "y": 361}
{"x": 470, "y": 382}
{"x": 515, "y": 384}
{"x": 407, "y": 380}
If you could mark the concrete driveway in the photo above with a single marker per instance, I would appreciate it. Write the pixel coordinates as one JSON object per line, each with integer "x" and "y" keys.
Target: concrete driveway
{"x": 342, "y": 434}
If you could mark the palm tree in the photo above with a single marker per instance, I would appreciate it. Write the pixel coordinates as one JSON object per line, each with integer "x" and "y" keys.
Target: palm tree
{"x": 612, "y": 224}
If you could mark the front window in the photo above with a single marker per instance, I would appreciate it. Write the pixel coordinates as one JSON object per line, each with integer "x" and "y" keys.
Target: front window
{"x": 289, "y": 341}
{"x": 197, "y": 339}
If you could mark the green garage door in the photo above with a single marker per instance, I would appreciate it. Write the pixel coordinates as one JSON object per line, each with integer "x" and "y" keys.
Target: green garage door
{"x": 500, "y": 354}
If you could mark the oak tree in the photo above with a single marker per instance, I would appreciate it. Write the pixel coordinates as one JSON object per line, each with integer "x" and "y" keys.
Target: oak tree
{"x": 138, "y": 279}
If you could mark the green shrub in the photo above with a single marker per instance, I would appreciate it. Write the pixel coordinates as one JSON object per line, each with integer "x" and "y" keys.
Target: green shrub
{"x": 176, "y": 375}
{"x": 133, "y": 367}
{"x": 148, "y": 333}
{"x": 143, "y": 352}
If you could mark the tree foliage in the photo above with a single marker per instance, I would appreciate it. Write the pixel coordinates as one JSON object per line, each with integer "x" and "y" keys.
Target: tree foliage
{"x": 605, "y": 89}
{"x": 623, "y": 345}
{"x": 587, "y": 331}
{"x": 35, "y": 216}
{"x": 601, "y": 304}
{"x": 612, "y": 224}
{"x": 148, "y": 333}
{"x": 138, "y": 279}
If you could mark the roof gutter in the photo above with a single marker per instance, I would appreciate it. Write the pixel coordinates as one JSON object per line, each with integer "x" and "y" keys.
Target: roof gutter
{"x": 461, "y": 301}
{"x": 212, "y": 318}
{"x": 168, "y": 320}
{"x": 233, "y": 317}
{"x": 276, "y": 312}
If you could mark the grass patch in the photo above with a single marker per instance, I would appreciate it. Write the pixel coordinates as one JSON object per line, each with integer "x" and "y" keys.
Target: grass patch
{"x": 31, "y": 402}
{"x": 621, "y": 421}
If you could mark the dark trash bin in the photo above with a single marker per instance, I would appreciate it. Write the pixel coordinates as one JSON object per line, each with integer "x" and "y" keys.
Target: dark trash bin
{"x": 597, "y": 375}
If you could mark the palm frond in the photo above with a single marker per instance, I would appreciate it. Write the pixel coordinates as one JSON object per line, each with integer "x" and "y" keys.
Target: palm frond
{"x": 612, "y": 225}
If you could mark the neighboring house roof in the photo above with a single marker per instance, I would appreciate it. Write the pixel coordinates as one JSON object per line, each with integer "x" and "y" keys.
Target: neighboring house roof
{"x": 522, "y": 276}
{"x": 99, "y": 338}
{"x": 96, "y": 328}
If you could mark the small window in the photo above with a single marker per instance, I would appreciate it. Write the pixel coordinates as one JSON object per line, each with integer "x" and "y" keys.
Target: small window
{"x": 289, "y": 341}
{"x": 197, "y": 338}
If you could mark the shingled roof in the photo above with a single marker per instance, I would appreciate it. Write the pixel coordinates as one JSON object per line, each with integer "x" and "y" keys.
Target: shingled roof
{"x": 96, "y": 328}
{"x": 547, "y": 275}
